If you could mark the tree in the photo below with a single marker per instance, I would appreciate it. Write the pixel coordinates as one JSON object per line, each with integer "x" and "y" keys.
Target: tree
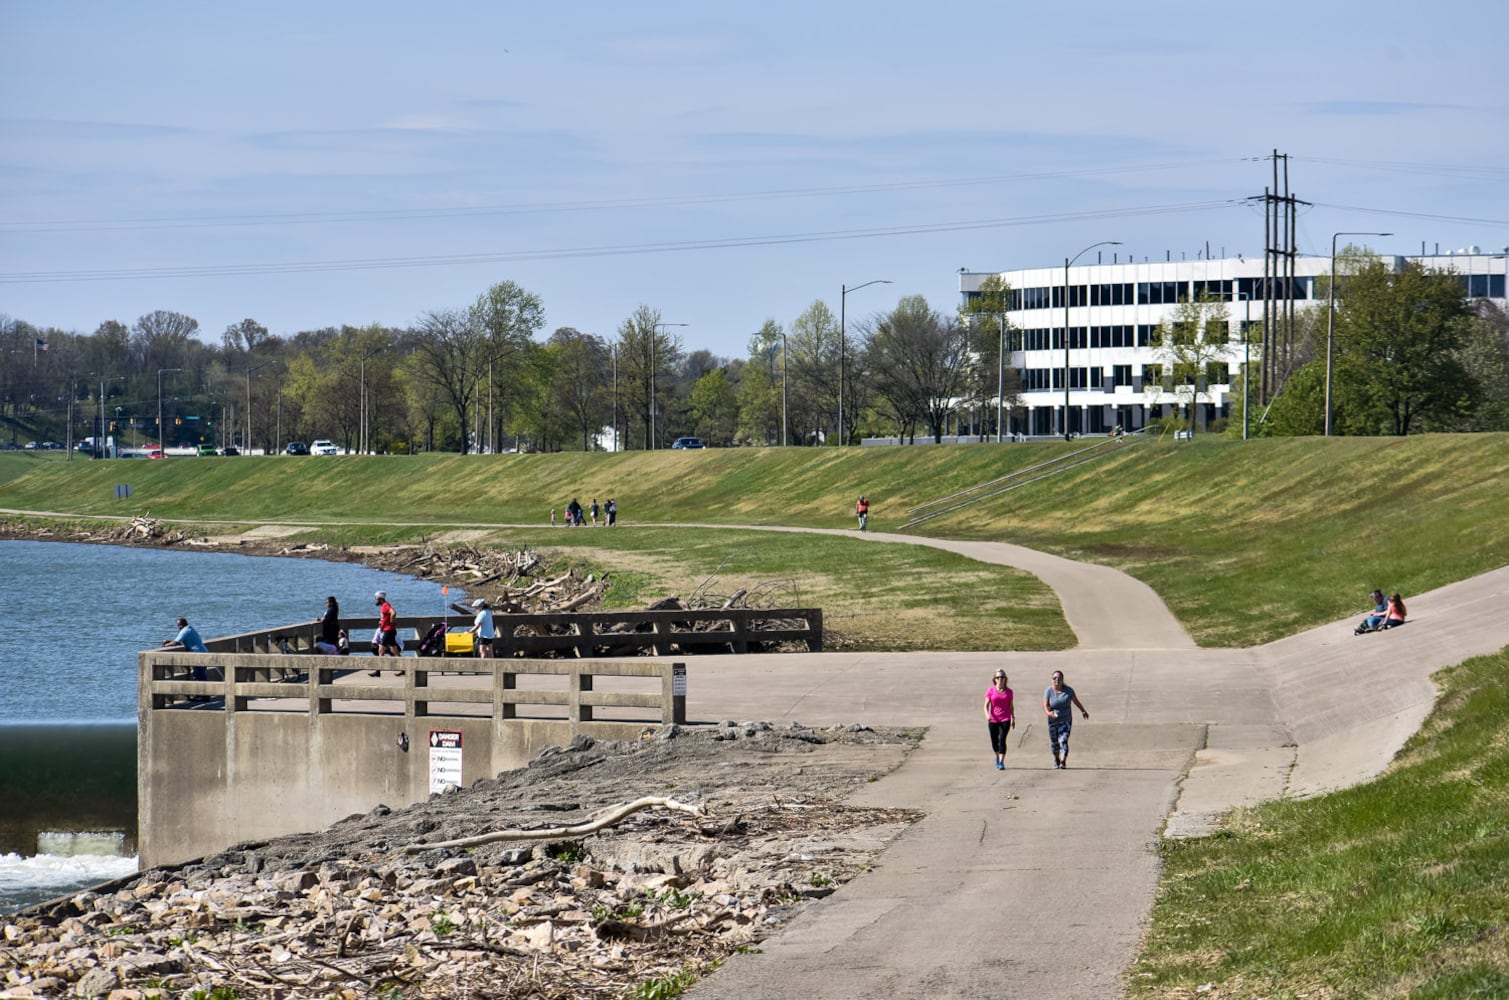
{"x": 161, "y": 339}
{"x": 714, "y": 408}
{"x": 508, "y": 317}
{"x": 647, "y": 357}
{"x": 813, "y": 365}
{"x": 448, "y": 360}
{"x": 244, "y": 337}
{"x": 1192, "y": 348}
{"x": 986, "y": 316}
{"x": 1397, "y": 342}
{"x": 920, "y": 362}
{"x": 760, "y": 387}
{"x": 580, "y": 382}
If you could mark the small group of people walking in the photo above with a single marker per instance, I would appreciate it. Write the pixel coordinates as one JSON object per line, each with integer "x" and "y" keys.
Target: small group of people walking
{"x": 1059, "y": 702}
{"x": 577, "y": 516}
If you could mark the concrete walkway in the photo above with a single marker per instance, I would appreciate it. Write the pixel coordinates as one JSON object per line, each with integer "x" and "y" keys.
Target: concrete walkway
{"x": 1034, "y": 882}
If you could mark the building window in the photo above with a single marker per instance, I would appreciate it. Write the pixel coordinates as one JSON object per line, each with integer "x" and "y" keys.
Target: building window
{"x": 1153, "y": 375}
{"x": 1217, "y": 373}
{"x": 1121, "y": 375}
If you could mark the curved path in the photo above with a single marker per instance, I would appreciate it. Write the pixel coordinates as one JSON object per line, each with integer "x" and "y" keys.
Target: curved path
{"x": 1034, "y": 882}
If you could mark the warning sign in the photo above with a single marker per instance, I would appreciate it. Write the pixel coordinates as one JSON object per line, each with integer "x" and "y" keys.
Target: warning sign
{"x": 678, "y": 680}
{"x": 445, "y": 759}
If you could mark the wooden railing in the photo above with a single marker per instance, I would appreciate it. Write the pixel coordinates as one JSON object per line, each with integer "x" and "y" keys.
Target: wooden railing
{"x": 585, "y": 634}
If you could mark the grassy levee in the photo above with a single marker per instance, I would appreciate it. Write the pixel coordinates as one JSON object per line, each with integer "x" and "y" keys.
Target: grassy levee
{"x": 1245, "y": 541}
{"x": 1391, "y": 889}
{"x": 1395, "y": 888}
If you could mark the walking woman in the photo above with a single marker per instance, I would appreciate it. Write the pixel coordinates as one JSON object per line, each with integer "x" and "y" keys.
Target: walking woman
{"x": 999, "y": 717}
{"x": 1056, "y": 705}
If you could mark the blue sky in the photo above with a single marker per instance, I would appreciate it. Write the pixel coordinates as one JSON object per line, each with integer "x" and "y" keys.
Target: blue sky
{"x": 307, "y": 165}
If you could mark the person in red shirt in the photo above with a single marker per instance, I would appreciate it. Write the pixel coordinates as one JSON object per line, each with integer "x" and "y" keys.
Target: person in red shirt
{"x": 387, "y": 631}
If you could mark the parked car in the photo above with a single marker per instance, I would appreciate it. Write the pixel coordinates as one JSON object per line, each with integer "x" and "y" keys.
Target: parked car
{"x": 323, "y": 447}
{"x": 296, "y": 448}
{"x": 206, "y": 451}
{"x": 687, "y": 442}
{"x": 231, "y": 449}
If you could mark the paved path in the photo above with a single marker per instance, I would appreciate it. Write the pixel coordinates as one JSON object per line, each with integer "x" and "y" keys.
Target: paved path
{"x": 1011, "y": 871}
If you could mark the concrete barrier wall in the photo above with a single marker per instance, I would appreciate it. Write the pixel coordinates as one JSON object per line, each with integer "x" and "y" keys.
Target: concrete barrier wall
{"x": 219, "y": 769}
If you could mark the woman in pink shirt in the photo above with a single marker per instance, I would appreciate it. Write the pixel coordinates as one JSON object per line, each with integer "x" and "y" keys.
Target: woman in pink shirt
{"x": 999, "y": 717}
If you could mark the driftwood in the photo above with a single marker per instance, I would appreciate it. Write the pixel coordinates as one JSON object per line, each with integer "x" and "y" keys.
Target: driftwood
{"x": 612, "y": 817}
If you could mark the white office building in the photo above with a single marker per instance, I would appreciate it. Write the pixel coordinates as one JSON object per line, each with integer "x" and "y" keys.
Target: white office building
{"x": 1114, "y": 311}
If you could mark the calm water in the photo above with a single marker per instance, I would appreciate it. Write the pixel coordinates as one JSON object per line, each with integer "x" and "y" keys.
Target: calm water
{"x": 74, "y": 618}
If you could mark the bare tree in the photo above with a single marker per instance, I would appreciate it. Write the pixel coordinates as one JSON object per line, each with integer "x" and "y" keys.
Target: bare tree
{"x": 920, "y": 362}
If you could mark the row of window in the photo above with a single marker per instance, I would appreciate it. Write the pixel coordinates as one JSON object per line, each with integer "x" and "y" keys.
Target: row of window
{"x": 1157, "y": 293}
{"x": 1483, "y": 286}
{"x": 1106, "y": 380}
{"x": 1127, "y": 335}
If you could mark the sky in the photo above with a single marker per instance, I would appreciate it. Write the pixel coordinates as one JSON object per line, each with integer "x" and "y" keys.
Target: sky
{"x": 308, "y": 165}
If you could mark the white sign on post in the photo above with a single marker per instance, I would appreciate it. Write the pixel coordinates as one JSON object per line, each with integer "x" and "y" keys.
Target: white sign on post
{"x": 678, "y": 680}
{"x": 445, "y": 759}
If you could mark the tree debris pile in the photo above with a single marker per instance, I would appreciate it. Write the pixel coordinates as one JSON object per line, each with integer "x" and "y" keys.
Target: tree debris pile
{"x": 658, "y": 898}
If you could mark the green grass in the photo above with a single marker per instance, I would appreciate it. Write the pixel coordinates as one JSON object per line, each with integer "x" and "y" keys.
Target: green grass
{"x": 1245, "y": 541}
{"x": 1390, "y": 889}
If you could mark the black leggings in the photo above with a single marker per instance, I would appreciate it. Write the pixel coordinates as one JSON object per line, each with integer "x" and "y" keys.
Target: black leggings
{"x": 998, "y": 733}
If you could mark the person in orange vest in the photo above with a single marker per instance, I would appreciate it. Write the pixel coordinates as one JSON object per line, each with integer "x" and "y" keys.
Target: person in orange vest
{"x": 862, "y": 508}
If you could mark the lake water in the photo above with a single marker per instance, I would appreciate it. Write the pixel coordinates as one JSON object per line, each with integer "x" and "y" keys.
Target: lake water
{"x": 75, "y": 616}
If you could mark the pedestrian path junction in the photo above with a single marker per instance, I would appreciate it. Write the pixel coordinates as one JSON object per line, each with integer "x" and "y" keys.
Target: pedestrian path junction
{"x": 1032, "y": 882}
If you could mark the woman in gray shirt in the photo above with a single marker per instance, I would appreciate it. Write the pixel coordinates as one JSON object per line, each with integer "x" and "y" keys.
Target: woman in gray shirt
{"x": 1056, "y": 705}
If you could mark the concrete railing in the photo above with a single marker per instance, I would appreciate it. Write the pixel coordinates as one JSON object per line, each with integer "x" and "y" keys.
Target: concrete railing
{"x": 321, "y": 685}
{"x": 273, "y": 744}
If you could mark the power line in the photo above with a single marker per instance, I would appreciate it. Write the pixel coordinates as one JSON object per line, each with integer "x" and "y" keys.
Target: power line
{"x": 631, "y": 249}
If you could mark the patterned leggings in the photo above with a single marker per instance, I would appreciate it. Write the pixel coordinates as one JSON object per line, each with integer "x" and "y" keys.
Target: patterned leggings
{"x": 1058, "y": 737}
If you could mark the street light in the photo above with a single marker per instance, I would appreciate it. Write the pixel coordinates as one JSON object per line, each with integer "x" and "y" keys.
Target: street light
{"x": 783, "y": 387}
{"x": 1246, "y": 361}
{"x": 843, "y": 335}
{"x": 653, "y": 406}
{"x": 162, "y": 436}
{"x": 1068, "y": 262}
{"x": 246, "y": 441}
{"x": 363, "y": 432}
{"x": 1331, "y": 320}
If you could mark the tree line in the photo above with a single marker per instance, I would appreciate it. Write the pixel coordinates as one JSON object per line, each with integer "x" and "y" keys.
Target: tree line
{"x": 481, "y": 377}
{"x": 1410, "y": 353}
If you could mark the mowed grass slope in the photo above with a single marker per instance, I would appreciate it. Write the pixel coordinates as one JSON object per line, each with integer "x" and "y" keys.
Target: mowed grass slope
{"x": 1246, "y": 541}
{"x": 1396, "y": 888}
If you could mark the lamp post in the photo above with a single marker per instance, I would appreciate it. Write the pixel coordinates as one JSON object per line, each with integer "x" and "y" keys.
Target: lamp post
{"x": 843, "y": 336}
{"x": 1246, "y": 360}
{"x": 162, "y": 436}
{"x": 363, "y": 432}
{"x": 246, "y": 441}
{"x": 1331, "y": 320}
{"x": 1068, "y": 262}
{"x": 615, "y": 398}
{"x": 783, "y": 387}
{"x": 653, "y": 401}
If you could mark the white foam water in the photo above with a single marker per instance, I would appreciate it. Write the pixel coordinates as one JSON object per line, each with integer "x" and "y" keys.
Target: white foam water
{"x": 65, "y": 862}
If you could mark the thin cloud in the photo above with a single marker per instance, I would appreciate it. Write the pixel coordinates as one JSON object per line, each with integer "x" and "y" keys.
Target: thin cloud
{"x": 1376, "y": 109}
{"x": 57, "y": 128}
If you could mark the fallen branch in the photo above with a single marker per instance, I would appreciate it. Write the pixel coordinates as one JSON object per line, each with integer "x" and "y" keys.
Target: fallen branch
{"x": 612, "y": 817}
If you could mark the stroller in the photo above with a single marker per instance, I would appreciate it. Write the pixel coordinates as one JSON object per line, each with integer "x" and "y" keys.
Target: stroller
{"x": 433, "y": 643}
